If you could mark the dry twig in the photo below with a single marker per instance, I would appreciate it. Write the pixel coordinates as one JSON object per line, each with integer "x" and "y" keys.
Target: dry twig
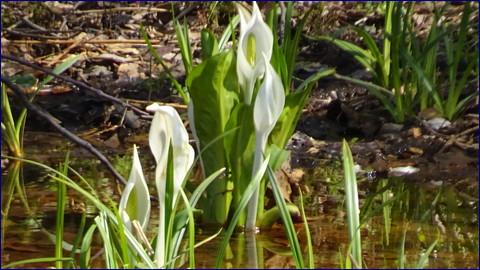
{"x": 49, "y": 119}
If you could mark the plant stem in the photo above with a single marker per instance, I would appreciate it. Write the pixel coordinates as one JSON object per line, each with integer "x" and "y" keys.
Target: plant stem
{"x": 260, "y": 142}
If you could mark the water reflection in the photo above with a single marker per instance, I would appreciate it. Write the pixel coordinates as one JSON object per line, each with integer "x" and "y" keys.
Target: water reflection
{"x": 396, "y": 213}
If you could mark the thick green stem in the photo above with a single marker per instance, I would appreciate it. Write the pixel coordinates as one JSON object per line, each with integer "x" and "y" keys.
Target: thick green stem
{"x": 260, "y": 142}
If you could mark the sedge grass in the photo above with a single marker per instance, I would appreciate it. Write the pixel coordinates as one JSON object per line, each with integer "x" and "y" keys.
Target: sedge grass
{"x": 352, "y": 205}
{"x": 407, "y": 77}
{"x": 60, "y": 215}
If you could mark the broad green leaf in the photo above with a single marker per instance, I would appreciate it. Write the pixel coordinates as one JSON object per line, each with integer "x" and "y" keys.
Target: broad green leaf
{"x": 241, "y": 148}
{"x": 209, "y": 43}
{"x": 214, "y": 90}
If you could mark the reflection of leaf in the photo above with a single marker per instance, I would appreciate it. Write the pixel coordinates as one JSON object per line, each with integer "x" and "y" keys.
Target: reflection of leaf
{"x": 279, "y": 262}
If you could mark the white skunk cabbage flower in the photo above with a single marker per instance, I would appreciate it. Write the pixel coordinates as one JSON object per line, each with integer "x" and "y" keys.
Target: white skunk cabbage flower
{"x": 256, "y": 39}
{"x": 135, "y": 201}
{"x": 268, "y": 107}
{"x": 269, "y": 103}
{"x": 167, "y": 127}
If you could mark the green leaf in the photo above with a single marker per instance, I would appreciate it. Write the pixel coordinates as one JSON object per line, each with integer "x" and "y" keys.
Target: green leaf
{"x": 268, "y": 218}
{"x": 240, "y": 150}
{"x": 184, "y": 43}
{"x": 179, "y": 88}
{"x": 214, "y": 90}
{"x": 209, "y": 43}
{"x": 424, "y": 257}
{"x": 59, "y": 69}
{"x": 228, "y": 33}
{"x": 382, "y": 65}
{"x": 287, "y": 221}
{"x": 381, "y": 93}
{"x": 277, "y": 156}
{"x": 364, "y": 57}
{"x": 351, "y": 201}
{"x": 40, "y": 260}
{"x": 86, "y": 248}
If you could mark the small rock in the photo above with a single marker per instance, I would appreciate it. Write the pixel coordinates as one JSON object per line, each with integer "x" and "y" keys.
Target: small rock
{"x": 390, "y": 128}
{"x": 438, "y": 123}
{"x": 168, "y": 57}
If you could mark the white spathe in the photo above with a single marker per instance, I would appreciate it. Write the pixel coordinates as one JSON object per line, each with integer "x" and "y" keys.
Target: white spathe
{"x": 167, "y": 127}
{"x": 135, "y": 201}
{"x": 269, "y": 102}
{"x": 254, "y": 32}
{"x": 267, "y": 109}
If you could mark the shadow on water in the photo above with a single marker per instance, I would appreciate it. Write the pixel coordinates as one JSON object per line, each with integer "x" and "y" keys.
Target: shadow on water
{"x": 395, "y": 212}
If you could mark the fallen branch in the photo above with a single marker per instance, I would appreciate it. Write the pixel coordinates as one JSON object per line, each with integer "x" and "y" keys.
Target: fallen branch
{"x": 122, "y": 9}
{"x": 49, "y": 119}
{"x": 81, "y": 85}
{"x": 95, "y": 41}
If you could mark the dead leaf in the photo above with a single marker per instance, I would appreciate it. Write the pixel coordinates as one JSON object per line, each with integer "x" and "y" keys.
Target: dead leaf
{"x": 128, "y": 71}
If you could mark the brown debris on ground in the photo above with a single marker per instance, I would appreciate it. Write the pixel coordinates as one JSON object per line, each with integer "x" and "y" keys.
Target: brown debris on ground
{"x": 116, "y": 60}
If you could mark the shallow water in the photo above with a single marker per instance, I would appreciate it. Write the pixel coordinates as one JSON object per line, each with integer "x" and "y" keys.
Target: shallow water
{"x": 423, "y": 212}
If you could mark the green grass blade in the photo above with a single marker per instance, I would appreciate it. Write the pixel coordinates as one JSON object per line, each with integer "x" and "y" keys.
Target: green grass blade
{"x": 191, "y": 230}
{"x": 61, "y": 192}
{"x": 59, "y": 69}
{"x": 423, "y": 262}
{"x": 387, "y": 45}
{"x": 98, "y": 204}
{"x": 351, "y": 200}
{"x": 381, "y": 93}
{"x": 401, "y": 251}
{"x": 9, "y": 129}
{"x": 222, "y": 43}
{"x": 423, "y": 78}
{"x": 179, "y": 88}
{"x": 364, "y": 57}
{"x": 287, "y": 221}
{"x": 382, "y": 61}
{"x": 453, "y": 106}
{"x": 59, "y": 226}
{"x": 109, "y": 252}
{"x": 39, "y": 260}
{"x": 459, "y": 46}
{"x": 122, "y": 239}
{"x": 181, "y": 218}
{"x": 315, "y": 77}
{"x": 311, "y": 264}
{"x": 78, "y": 238}
{"x": 291, "y": 46}
{"x": 86, "y": 248}
{"x": 184, "y": 43}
